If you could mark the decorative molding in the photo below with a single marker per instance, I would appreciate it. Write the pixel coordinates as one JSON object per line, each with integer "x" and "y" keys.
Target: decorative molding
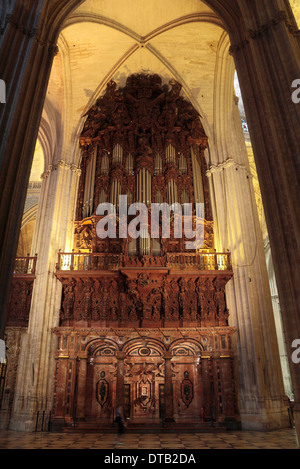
{"x": 11, "y": 19}
{"x": 280, "y": 17}
{"x": 204, "y": 17}
{"x": 102, "y": 390}
{"x": 34, "y": 185}
{"x": 113, "y": 300}
{"x": 225, "y": 165}
{"x": 61, "y": 164}
{"x": 187, "y": 390}
{"x": 31, "y": 33}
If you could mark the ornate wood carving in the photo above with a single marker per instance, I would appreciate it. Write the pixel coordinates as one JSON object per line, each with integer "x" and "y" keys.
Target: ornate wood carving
{"x": 135, "y": 312}
{"x": 144, "y": 117}
{"x": 206, "y": 390}
{"x": 187, "y": 389}
{"x": 147, "y": 298}
{"x": 20, "y": 301}
{"x": 102, "y": 391}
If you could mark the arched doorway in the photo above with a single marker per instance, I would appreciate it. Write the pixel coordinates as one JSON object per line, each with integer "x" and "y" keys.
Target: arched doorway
{"x": 160, "y": 380}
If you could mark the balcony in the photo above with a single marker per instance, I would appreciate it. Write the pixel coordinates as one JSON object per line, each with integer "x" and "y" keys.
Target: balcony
{"x": 200, "y": 261}
{"x": 21, "y": 292}
{"x": 25, "y": 265}
{"x": 80, "y": 262}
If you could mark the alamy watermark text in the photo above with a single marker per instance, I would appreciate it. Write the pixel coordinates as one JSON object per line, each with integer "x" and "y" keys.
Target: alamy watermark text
{"x": 160, "y": 215}
{"x": 296, "y": 93}
{"x": 296, "y": 353}
{"x": 2, "y": 92}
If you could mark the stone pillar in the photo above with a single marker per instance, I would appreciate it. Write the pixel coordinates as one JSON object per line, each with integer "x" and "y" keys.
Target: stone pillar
{"x": 28, "y": 45}
{"x": 81, "y": 385}
{"x": 38, "y": 348}
{"x": 120, "y": 379}
{"x": 262, "y": 401}
{"x": 271, "y": 42}
{"x": 169, "y": 407}
{"x": 282, "y": 344}
{"x": 25, "y": 64}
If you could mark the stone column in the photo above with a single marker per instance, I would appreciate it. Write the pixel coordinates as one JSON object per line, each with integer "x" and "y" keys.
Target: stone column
{"x": 169, "y": 407}
{"x": 25, "y": 64}
{"x": 267, "y": 59}
{"x": 262, "y": 401}
{"x": 282, "y": 344}
{"x": 38, "y": 348}
{"x": 28, "y": 45}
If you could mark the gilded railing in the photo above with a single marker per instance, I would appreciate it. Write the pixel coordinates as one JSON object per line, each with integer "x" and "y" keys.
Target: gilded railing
{"x": 25, "y": 265}
{"x": 88, "y": 261}
{"x": 78, "y": 262}
{"x": 199, "y": 261}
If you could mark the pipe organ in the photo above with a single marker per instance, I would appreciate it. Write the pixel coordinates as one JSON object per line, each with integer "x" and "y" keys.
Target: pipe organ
{"x": 124, "y": 153}
{"x": 150, "y": 306}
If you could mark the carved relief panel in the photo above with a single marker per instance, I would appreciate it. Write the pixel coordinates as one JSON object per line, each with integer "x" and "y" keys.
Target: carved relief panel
{"x": 145, "y": 299}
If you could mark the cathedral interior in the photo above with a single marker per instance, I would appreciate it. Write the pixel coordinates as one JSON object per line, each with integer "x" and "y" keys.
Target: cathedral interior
{"x": 181, "y": 105}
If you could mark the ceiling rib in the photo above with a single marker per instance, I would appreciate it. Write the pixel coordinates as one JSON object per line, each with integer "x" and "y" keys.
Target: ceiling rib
{"x": 99, "y": 19}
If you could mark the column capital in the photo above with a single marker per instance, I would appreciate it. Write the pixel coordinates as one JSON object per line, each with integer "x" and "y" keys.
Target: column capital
{"x": 61, "y": 164}
{"x": 261, "y": 30}
{"x": 229, "y": 163}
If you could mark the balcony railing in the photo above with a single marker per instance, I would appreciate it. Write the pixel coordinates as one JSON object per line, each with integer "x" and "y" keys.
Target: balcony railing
{"x": 88, "y": 261}
{"x": 199, "y": 261}
{"x": 78, "y": 262}
{"x": 25, "y": 265}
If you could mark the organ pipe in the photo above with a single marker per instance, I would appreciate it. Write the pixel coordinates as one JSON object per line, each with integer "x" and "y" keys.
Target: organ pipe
{"x": 182, "y": 164}
{"x": 129, "y": 164}
{"x": 170, "y": 154}
{"x": 89, "y": 185}
{"x": 115, "y": 192}
{"x": 144, "y": 186}
{"x": 197, "y": 176}
{"x": 118, "y": 154}
{"x": 105, "y": 164}
{"x": 172, "y": 192}
{"x": 158, "y": 164}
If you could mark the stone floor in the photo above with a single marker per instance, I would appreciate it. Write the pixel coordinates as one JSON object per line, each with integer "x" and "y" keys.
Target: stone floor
{"x": 281, "y": 439}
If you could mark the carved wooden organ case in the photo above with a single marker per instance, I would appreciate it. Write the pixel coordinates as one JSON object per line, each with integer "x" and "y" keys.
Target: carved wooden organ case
{"x": 130, "y": 305}
{"x": 147, "y": 142}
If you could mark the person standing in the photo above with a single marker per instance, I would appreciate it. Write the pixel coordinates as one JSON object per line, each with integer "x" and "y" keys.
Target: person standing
{"x": 121, "y": 424}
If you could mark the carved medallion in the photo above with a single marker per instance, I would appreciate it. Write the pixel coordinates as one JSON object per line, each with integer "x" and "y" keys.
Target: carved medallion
{"x": 102, "y": 389}
{"x": 187, "y": 390}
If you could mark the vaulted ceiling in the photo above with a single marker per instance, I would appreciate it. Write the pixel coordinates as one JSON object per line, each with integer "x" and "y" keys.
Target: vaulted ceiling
{"x": 104, "y": 40}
